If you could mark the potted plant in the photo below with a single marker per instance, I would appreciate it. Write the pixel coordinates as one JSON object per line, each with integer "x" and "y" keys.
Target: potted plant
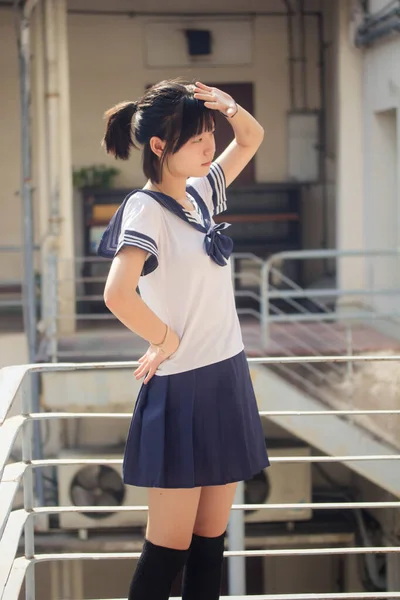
{"x": 95, "y": 176}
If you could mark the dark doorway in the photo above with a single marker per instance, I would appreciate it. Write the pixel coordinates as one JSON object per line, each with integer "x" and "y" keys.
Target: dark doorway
{"x": 243, "y": 94}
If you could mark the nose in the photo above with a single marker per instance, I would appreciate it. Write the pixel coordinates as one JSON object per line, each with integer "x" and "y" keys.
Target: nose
{"x": 209, "y": 150}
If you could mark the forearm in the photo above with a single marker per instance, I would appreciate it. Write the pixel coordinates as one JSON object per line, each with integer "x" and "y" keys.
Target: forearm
{"x": 247, "y": 130}
{"x": 133, "y": 312}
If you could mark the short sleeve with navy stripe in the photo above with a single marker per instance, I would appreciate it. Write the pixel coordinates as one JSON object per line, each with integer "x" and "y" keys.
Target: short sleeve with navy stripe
{"x": 212, "y": 189}
{"x": 140, "y": 227}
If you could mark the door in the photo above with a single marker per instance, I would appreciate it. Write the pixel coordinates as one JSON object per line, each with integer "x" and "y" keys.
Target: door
{"x": 243, "y": 94}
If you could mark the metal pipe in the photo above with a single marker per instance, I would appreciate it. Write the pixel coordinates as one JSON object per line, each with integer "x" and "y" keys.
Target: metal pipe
{"x": 329, "y": 253}
{"x": 187, "y": 14}
{"x": 52, "y": 328}
{"x": 291, "y": 58}
{"x": 303, "y": 55}
{"x": 264, "y": 304}
{"x": 236, "y": 541}
{"x": 30, "y": 325}
{"x": 29, "y": 533}
{"x": 52, "y": 100}
{"x": 323, "y": 138}
{"x": 42, "y": 157}
{"x": 26, "y": 188}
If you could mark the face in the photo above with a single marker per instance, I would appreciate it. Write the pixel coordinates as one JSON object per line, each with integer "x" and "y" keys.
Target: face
{"x": 194, "y": 158}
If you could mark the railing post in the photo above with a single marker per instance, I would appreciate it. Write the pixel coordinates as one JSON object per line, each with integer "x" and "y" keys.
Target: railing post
{"x": 53, "y": 308}
{"x": 236, "y": 541}
{"x": 233, "y": 272}
{"x": 264, "y": 291}
{"x": 349, "y": 348}
{"x": 29, "y": 534}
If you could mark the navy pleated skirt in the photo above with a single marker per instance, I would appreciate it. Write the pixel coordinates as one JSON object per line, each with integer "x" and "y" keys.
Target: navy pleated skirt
{"x": 196, "y": 428}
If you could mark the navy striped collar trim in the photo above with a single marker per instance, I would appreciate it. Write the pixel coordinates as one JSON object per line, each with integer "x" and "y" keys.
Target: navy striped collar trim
{"x": 173, "y": 206}
{"x": 109, "y": 241}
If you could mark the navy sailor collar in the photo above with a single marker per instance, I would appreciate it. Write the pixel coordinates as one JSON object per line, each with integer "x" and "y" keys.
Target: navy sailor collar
{"x": 217, "y": 245}
{"x": 173, "y": 206}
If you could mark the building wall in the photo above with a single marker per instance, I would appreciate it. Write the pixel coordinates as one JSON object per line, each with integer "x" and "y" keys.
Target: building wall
{"x": 382, "y": 164}
{"x": 10, "y": 202}
{"x": 102, "y": 74}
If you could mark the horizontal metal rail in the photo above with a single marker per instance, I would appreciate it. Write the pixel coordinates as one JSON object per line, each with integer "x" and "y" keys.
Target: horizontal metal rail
{"x": 49, "y": 510}
{"x": 330, "y": 292}
{"x": 330, "y": 253}
{"x": 357, "y": 315}
{"x": 55, "y": 462}
{"x": 250, "y": 553}
{"x": 11, "y": 377}
{"x": 325, "y": 596}
{"x": 264, "y": 413}
{"x": 329, "y": 596}
{"x": 13, "y": 571}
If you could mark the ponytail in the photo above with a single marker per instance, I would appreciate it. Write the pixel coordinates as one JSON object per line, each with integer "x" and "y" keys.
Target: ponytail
{"x": 118, "y": 138}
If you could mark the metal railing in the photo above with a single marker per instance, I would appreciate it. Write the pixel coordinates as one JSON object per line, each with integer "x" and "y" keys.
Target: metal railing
{"x": 17, "y": 570}
{"x": 75, "y": 295}
{"x": 290, "y": 320}
{"x": 283, "y": 312}
{"x": 293, "y": 293}
{"x": 316, "y": 322}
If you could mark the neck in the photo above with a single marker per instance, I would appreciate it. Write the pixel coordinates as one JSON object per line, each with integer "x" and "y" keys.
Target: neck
{"x": 171, "y": 186}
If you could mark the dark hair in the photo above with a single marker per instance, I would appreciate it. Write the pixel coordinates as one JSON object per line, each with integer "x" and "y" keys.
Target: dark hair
{"x": 167, "y": 110}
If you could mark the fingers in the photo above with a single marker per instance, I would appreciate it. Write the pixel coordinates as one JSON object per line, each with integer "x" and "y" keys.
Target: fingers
{"x": 140, "y": 371}
{"x": 212, "y": 105}
{"x": 210, "y": 101}
{"x": 204, "y": 96}
{"x": 147, "y": 369}
{"x": 203, "y": 86}
{"x": 149, "y": 375}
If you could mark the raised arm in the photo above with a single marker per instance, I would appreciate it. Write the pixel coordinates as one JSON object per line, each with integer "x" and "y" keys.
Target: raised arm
{"x": 248, "y": 132}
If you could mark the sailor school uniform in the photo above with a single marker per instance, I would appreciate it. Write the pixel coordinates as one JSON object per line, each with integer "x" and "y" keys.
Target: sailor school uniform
{"x": 196, "y": 422}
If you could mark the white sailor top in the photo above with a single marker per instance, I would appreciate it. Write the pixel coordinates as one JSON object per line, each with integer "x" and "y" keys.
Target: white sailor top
{"x": 186, "y": 279}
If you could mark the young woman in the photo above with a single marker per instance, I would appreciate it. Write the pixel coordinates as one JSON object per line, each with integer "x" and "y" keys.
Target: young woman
{"x": 195, "y": 430}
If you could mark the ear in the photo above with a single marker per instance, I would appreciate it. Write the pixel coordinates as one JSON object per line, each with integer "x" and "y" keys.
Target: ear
{"x": 157, "y": 146}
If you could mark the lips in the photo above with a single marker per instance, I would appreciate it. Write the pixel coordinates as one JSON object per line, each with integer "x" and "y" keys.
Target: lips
{"x": 207, "y": 164}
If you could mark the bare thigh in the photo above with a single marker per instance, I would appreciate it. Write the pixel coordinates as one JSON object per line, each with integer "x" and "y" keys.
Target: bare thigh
{"x": 214, "y": 509}
{"x": 171, "y": 518}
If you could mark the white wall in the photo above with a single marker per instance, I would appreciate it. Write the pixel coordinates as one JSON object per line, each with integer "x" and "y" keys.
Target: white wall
{"x": 10, "y": 203}
{"x": 382, "y": 163}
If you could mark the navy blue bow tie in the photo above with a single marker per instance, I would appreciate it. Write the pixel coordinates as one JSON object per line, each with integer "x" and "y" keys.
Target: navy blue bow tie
{"x": 218, "y": 246}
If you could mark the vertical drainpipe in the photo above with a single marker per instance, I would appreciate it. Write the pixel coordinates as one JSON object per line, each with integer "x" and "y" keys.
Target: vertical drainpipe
{"x": 303, "y": 56}
{"x": 52, "y": 102}
{"x": 41, "y": 148}
{"x": 24, "y": 52}
{"x": 322, "y": 139}
{"x": 51, "y": 99}
{"x": 290, "y": 36}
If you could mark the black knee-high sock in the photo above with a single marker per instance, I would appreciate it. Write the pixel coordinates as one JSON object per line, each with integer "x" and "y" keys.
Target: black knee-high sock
{"x": 155, "y": 572}
{"x": 203, "y": 570}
